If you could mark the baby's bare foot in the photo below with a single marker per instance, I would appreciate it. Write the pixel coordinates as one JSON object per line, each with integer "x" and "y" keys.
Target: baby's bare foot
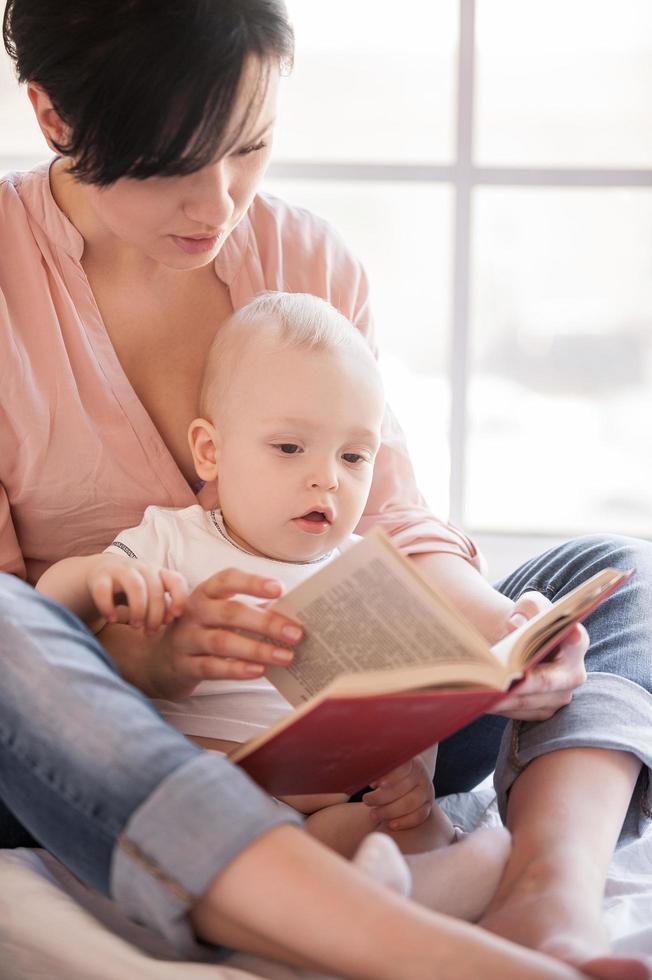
{"x": 458, "y": 880}
{"x": 461, "y": 880}
{"x": 379, "y": 858}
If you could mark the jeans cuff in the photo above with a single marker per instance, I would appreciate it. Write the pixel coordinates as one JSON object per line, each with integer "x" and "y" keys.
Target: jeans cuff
{"x": 607, "y": 712}
{"x": 193, "y": 824}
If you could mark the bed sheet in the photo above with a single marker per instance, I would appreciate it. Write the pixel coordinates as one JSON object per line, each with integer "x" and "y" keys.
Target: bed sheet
{"x": 52, "y": 926}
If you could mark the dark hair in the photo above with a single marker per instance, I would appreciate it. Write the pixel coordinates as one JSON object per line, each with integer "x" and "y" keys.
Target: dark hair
{"x": 146, "y": 87}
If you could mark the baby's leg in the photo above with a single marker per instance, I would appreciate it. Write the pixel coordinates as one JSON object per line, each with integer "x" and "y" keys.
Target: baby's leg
{"x": 343, "y": 827}
{"x": 459, "y": 880}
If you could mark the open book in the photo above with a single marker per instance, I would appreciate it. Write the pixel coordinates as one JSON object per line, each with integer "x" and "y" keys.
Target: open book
{"x": 387, "y": 668}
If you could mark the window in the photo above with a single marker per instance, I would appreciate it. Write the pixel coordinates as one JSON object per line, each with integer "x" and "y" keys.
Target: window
{"x": 491, "y": 163}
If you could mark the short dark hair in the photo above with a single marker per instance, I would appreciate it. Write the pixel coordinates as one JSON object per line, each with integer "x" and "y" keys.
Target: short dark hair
{"x": 146, "y": 87}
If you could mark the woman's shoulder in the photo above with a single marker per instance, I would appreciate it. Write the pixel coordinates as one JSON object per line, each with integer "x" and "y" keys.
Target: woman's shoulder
{"x": 12, "y": 208}
{"x": 305, "y": 252}
{"x": 16, "y": 190}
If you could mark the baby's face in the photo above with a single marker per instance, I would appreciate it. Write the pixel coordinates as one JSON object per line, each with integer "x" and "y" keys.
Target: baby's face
{"x": 297, "y": 446}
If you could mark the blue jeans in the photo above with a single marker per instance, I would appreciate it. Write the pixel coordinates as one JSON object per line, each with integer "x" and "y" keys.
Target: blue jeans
{"x": 90, "y": 770}
{"x": 613, "y": 710}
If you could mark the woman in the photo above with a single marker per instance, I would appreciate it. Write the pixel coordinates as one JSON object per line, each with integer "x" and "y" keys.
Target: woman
{"x": 125, "y": 256}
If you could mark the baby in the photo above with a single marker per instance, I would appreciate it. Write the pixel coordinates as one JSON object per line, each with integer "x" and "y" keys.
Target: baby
{"x": 291, "y": 411}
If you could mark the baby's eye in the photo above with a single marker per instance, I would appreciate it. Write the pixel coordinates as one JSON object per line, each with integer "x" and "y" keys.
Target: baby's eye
{"x": 353, "y": 457}
{"x": 289, "y": 448}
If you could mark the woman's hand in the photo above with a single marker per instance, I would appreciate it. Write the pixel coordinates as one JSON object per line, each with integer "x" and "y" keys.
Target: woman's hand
{"x": 136, "y": 593}
{"x": 550, "y": 685}
{"x": 403, "y": 798}
{"x": 211, "y": 640}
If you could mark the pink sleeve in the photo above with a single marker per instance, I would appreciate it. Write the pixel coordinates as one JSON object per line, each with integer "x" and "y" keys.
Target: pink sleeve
{"x": 11, "y": 558}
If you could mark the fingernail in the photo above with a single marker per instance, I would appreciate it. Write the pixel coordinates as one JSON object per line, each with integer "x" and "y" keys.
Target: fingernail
{"x": 271, "y": 587}
{"x": 281, "y": 656}
{"x": 291, "y": 633}
{"x": 253, "y": 670}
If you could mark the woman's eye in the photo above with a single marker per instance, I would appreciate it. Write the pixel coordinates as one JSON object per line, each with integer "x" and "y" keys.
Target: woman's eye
{"x": 253, "y": 148}
{"x": 353, "y": 457}
{"x": 289, "y": 448}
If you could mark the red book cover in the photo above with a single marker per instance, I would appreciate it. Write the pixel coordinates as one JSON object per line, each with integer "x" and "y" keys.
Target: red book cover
{"x": 345, "y": 743}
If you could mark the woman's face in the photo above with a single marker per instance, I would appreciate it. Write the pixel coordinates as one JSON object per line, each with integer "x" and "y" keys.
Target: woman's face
{"x": 182, "y": 222}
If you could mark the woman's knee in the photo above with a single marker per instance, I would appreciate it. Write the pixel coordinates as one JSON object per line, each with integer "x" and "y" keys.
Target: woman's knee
{"x": 614, "y": 550}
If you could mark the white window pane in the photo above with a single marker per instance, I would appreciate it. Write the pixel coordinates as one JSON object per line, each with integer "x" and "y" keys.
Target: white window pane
{"x": 20, "y": 137}
{"x": 401, "y": 232}
{"x": 371, "y": 82}
{"x": 564, "y": 83}
{"x": 561, "y": 384}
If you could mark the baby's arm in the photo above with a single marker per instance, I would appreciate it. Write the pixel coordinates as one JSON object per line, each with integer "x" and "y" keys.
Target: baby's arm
{"x": 109, "y": 588}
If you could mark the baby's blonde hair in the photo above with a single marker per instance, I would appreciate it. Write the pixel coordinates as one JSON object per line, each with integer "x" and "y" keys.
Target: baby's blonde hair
{"x": 302, "y": 322}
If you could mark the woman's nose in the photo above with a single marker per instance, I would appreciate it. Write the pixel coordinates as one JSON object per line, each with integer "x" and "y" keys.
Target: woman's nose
{"x": 208, "y": 201}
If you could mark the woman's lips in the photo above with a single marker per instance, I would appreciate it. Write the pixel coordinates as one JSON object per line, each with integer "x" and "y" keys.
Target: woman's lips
{"x": 194, "y": 246}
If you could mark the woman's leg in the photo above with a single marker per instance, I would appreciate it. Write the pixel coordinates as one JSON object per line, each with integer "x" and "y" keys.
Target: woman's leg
{"x": 551, "y": 895}
{"x": 178, "y": 835}
{"x": 91, "y": 771}
{"x": 568, "y": 786}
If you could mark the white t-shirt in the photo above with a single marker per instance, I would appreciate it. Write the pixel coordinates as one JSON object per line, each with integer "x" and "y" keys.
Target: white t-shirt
{"x": 195, "y": 542}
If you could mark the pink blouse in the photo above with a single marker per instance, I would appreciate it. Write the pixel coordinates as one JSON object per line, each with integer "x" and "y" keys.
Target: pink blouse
{"x": 80, "y": 458}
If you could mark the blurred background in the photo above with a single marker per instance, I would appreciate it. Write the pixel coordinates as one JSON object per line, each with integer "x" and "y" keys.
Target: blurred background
{"x": 490, "y": 161}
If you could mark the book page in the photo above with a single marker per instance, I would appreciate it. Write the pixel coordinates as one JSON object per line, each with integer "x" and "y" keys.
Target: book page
{"x": 368, "y": 611}
{"x": 525, "y": 644}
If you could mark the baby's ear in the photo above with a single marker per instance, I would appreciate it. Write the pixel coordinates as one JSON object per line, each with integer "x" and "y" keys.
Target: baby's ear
{"x": 204, "y": 445}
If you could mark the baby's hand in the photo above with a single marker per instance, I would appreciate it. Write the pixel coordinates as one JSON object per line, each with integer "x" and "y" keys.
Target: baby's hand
{"x": 403, "y": 798}
{"x": 153, "y": 596}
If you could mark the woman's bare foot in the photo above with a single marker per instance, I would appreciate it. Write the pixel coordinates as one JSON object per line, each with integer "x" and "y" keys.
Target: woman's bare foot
{"x": 544, "y": 913}
{"x": 617, "y": 968}
{"x": 554, "y": 912}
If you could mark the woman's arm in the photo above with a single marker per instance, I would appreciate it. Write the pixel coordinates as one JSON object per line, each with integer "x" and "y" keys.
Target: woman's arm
{"x": 468, "y": 591}
{"x": 549, "y": 685}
